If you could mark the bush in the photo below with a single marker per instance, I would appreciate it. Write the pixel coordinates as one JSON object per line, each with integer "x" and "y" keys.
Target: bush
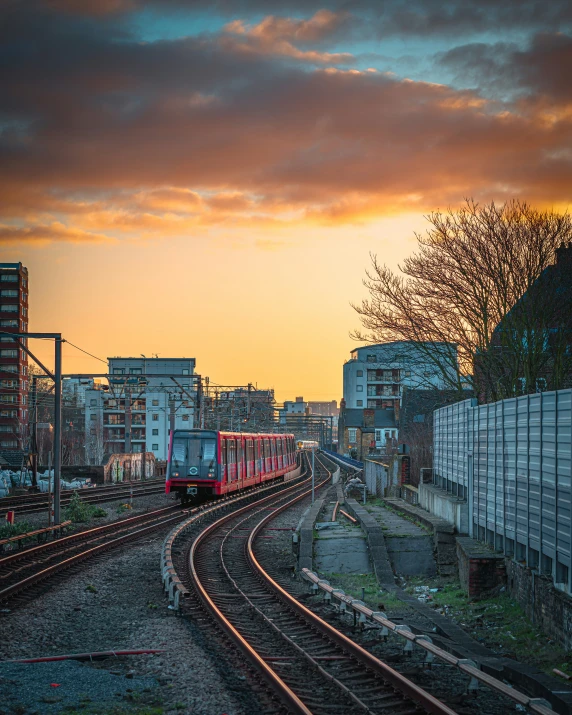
{"x": 79, "y": 511}
{"x": 9, "y": 530}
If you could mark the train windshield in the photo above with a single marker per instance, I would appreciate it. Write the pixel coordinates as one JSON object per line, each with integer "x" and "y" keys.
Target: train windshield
{"x": 189, "y": 452}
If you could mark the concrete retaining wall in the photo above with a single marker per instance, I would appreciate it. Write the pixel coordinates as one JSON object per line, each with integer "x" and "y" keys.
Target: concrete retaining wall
{"x": 452, "y": 509}
{"x": 305, "y": 535}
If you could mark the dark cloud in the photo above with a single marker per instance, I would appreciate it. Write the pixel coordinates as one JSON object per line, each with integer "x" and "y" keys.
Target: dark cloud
{"x": 105, "y": 135}
{"x": 541, "y": 70}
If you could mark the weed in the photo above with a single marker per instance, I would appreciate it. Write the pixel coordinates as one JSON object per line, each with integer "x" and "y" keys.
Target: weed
{"x": 374, "y": 598}
{"x": 79, "y": 511}
{"x": 122, "y": 508}
{"x": 90, "y": 588}
{"x": 22, "y": 527}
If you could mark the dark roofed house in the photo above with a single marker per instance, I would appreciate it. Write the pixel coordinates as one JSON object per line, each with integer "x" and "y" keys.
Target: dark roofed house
{"x": 366, "y": 432}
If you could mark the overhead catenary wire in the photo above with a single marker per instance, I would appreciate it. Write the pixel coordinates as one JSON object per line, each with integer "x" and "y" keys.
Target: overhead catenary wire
{"x": 86, "y": 352}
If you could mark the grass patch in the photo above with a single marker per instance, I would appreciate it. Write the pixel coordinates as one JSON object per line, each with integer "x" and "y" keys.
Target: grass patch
{"x": 375, "y": 597}
{"x": 79, "y": 511}
{"x": 499, "y": 623}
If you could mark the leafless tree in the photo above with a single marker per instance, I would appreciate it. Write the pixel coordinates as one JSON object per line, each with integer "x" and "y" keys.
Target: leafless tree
{"x": 455, "y": 298}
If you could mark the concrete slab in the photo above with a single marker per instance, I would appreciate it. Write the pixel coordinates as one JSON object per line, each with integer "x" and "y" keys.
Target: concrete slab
{"x": 343, "y": 553}
{"x": 410, "y": 547}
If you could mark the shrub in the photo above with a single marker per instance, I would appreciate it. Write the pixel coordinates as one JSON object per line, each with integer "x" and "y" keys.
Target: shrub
{"x": 9, "y": 530}
{"x": 79, "y": 511}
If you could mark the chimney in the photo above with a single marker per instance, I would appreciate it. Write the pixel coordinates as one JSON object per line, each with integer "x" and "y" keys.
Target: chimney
{"x": 369, "y": 418}
{"x": 564, "y": 255}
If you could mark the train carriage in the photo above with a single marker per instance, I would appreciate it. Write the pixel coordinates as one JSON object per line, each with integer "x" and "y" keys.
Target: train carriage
{"x": 205, "y": 463}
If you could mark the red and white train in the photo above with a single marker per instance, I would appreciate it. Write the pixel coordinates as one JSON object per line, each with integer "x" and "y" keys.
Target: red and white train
{"x": 205, "y": 463}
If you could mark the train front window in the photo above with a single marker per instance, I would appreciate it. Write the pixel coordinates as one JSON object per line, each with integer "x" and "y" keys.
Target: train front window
{"x": 191, "y": 455}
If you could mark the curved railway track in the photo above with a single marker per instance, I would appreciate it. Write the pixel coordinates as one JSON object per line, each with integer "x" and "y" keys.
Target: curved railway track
{"x": 310, "y": 666}
{"x": 30, "y": 503}
{"x": 24, "y": 572}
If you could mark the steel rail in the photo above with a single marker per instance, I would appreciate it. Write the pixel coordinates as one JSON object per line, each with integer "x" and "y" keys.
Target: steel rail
{"x": 398, "y": 681}
{"x": 63, "y": 541}
{"x": 277, "y": 684}
{"x": 288, "y": 696}
{"x": 28, "y": 504}
{"x": 81, "y": 556}
{"x": 534, "y": 704}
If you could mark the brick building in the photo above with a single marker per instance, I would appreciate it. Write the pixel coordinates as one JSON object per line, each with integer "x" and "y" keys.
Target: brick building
{"x": 366, "y": 432}
{"x": 13, "y": 360}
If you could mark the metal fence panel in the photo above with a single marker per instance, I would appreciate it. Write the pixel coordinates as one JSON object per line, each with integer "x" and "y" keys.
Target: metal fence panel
{"x": 512, "y": 460}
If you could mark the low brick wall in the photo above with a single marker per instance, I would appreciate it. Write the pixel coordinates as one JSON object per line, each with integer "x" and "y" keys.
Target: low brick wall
{"x": 546, "y": 606}
{"x": 481, "y": 571}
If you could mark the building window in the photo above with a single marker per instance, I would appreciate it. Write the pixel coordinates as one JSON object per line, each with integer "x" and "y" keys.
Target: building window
{"x": 359, "y": 388}
{"x": 378, "y": 435}
{"x": 359, "y": 403}
{"x": 185, "y": 418}
{"x": 9, "y": 293}
{"x": 9, "y": 277}
{"x": 359, "y": 373}
{"x": 135, "y": 370}
{"x": 93, "y": 417}
{"x": 155, "y": 447}
{"x": 352, "y": 434}
{"x": 118, "y": 371}
{"x": 9, "y": 353}
{"x": 9, "y": 307}
{"x": 371, "y": 358}
{"x": 155, "y": 403}
{"x": 93, "y": 403}
{"x": 185, "y": 371}
{"x": 9, "y": 323}
{"x": 155, "y": 417}
{"x": 155, "y": 433}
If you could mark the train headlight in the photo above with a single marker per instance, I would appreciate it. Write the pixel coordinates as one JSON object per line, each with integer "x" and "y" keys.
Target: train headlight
{"x": 175, "y": 474}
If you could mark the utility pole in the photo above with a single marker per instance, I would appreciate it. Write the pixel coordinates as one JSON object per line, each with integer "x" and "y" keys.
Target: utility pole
{"x": 57, "y": 429}
{"x": 313, "y": 474}
{"x": 34, "y": 435}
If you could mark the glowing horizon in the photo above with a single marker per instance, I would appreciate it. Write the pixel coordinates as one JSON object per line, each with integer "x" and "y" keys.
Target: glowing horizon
{"x": 209, "y": 183}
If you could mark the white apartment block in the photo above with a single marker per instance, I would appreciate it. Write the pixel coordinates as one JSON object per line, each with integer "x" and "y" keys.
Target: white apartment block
{"x": 145, "y": 397}
{"x": 375, "y": 375}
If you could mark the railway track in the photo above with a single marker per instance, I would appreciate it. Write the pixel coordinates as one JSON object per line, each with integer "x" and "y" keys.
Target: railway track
{"x": 311, "y": 667}
{"x": 24, "y": 572}
{"x": 30, "y": 503}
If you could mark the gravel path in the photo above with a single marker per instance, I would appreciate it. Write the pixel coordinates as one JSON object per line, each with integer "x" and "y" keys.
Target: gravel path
{"x": 116, "y": 603}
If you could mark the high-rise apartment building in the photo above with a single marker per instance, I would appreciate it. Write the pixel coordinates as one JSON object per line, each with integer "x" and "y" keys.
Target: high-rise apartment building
{"x": 146, "y": 397}
{"x": 375, "y": 375}
{"x": 13, "y": 360}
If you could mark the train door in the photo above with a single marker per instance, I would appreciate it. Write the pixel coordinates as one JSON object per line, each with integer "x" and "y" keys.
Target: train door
{"x": 279, "y": 452}
{"x": 231, "y": 458}
{"x": 222, "y": 459}
{"x": 258, "y": 462}
{"x": 240, "y": 458}
{"x": 249, "y": 458}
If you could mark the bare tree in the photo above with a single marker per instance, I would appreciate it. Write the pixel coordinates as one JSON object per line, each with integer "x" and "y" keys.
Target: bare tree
{"x": 454, "y": 298}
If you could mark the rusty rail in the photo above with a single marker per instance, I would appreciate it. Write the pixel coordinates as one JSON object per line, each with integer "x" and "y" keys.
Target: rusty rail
{"x": 535, "y": 705}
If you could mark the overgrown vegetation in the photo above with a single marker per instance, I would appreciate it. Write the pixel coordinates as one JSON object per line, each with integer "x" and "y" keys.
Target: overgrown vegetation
{"x": 373, "y": 596}
{"x": 79, "y": 511}
{"x": 498, "y": 622}
{"x": 9, "y": 530}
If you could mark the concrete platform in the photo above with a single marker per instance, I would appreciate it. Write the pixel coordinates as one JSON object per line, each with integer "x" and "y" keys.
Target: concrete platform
{"x": 341, "y": 549}
{"x": 410, "y": 547}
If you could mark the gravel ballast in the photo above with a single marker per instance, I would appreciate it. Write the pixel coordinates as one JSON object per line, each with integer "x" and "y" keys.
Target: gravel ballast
{"x": 116, "y": 604}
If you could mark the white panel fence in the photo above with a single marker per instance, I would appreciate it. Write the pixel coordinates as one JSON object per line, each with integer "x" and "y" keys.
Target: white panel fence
{"x": 512, "y": 461}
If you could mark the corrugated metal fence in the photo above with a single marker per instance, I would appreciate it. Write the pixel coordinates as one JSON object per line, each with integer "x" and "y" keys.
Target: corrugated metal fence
{"x": 512, "y": 461}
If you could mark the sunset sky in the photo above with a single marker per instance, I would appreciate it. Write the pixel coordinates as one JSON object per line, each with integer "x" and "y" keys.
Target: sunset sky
{"x": 208, "y": 179}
